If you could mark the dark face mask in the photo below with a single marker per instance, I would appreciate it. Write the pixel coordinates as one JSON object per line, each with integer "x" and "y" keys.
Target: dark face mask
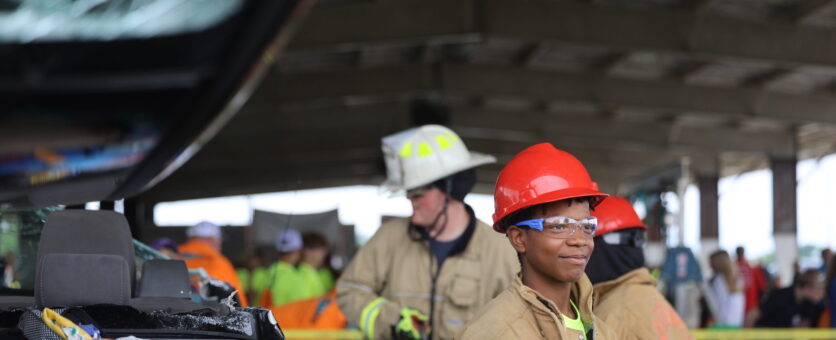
{"x": 610, "y": 261}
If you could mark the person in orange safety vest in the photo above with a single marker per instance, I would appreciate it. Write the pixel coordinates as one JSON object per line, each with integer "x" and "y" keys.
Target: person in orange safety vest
{"x": 203, "y": 250}
{"x": 317, "y": 313}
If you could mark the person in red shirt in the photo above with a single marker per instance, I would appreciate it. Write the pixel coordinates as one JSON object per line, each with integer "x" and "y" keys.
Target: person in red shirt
{"x": 754, "y": 284}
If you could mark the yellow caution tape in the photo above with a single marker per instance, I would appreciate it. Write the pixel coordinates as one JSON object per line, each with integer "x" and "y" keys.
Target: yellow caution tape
{"x": 699, "y": 334}
{"x": 763, "y": 333}
{"x": 291, "y": 334}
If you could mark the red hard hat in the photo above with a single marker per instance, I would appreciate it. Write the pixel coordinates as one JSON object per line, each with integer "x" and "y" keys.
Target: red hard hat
{"x": 540, "y": 174}
{"x": 616, "y": 213}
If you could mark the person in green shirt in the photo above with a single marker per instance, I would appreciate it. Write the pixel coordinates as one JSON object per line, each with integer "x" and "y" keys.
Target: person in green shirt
{"x": 256, "y": 277}
{"x": 260, "y": 274}
{"x": 288, "y": 284}
{"x": 244, "y": 278}
{"x": 313, "y": 267}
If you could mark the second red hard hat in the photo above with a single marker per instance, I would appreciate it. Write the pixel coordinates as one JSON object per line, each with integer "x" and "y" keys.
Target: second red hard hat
{"x": 616, "y": 213}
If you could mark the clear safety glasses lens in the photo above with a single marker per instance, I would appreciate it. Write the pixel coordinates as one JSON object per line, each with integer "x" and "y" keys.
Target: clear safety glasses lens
{"x": 562, "y": 226}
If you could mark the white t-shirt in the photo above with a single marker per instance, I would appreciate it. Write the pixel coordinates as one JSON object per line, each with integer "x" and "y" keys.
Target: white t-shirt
{"x": 730, "y": 306}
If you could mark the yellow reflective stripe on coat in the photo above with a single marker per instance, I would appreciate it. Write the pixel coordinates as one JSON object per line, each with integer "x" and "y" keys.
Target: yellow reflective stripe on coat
{"x": 369, "y": 316}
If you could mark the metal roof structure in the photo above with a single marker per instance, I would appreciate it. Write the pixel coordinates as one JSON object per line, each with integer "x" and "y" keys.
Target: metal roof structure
{"x": 627, "y": 86}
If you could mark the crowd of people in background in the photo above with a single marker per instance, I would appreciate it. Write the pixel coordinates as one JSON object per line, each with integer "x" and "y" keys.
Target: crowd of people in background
{"x": 739, "y": 294}
{"x": 298, "y": 286}
{"x": 390, "y": 288}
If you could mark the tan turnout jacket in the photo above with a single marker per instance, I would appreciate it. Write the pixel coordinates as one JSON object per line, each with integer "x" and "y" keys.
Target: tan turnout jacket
{"x": 522, "y": 313}
{"x": 633, "y": 308}
{"x": 397, "y": 268}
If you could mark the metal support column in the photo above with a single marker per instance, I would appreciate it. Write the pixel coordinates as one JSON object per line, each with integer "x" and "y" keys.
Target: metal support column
{"x": 784, "y": 216}
{"x": 709, "y": 218}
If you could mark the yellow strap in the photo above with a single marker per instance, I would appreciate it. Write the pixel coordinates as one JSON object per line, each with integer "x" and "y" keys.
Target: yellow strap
{"x": 369, "y": 316}
{"x": 55, "y": 322}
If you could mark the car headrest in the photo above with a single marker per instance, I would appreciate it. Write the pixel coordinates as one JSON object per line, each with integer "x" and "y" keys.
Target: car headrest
{"x": 82, "y": 279}
{"x": 165, "y": 278}
{"x": 87, "y": 232}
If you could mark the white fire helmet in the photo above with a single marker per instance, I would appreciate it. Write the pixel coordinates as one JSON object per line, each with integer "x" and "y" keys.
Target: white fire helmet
{"x": 422, "y": 155}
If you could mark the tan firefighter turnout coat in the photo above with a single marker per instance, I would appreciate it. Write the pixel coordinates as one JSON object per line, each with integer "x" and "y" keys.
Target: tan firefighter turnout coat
{"x": 522, "y": 313}
{"x": 393, "y": 270}
{"x": 634, "y": 309}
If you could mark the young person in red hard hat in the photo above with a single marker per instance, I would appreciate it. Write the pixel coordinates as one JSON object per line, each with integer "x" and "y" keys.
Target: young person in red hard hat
{"x": 543, "y": 200}
{"x": 625, "y": 293}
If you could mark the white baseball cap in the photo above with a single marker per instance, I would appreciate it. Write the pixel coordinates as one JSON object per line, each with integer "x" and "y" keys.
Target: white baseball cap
{"x": 288, "y": 240}
{"x": 204, "y": 229}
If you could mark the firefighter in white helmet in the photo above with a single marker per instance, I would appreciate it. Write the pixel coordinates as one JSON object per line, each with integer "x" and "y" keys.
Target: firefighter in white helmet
{"x": 427, "y": 275}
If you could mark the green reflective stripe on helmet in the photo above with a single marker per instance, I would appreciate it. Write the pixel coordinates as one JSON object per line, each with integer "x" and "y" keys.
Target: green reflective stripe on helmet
{"x": 452, "y": 136}
{"x": 443, "y": 142}
{"x": 406, "y": 150}
{"x": 424, "y": 149}
{"x": 369, "y": 316}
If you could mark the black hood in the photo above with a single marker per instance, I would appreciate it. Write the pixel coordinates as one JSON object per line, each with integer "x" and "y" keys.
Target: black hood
{"x": 608, "y": 261}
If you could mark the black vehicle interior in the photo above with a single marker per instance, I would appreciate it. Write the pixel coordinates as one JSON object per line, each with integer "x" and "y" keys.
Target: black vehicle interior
{"x": 91, "y": 119}
{"x": 75, "y": 269}
{"x": 84, "y": 258}
{"x": 139, "y": 104}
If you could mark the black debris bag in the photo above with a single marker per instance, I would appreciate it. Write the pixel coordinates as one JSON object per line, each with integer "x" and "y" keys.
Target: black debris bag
{"x": 115, "y": 321}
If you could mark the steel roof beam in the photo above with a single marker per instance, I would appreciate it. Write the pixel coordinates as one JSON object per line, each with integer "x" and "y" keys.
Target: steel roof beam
{"x": 461, "y": 21}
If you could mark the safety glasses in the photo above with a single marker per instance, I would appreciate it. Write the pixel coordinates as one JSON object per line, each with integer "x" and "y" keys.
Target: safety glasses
{"x": 562, "y": 226}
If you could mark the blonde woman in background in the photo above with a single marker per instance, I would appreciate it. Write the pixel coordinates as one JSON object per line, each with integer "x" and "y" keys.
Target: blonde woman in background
{"x": 725, "y": 291}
